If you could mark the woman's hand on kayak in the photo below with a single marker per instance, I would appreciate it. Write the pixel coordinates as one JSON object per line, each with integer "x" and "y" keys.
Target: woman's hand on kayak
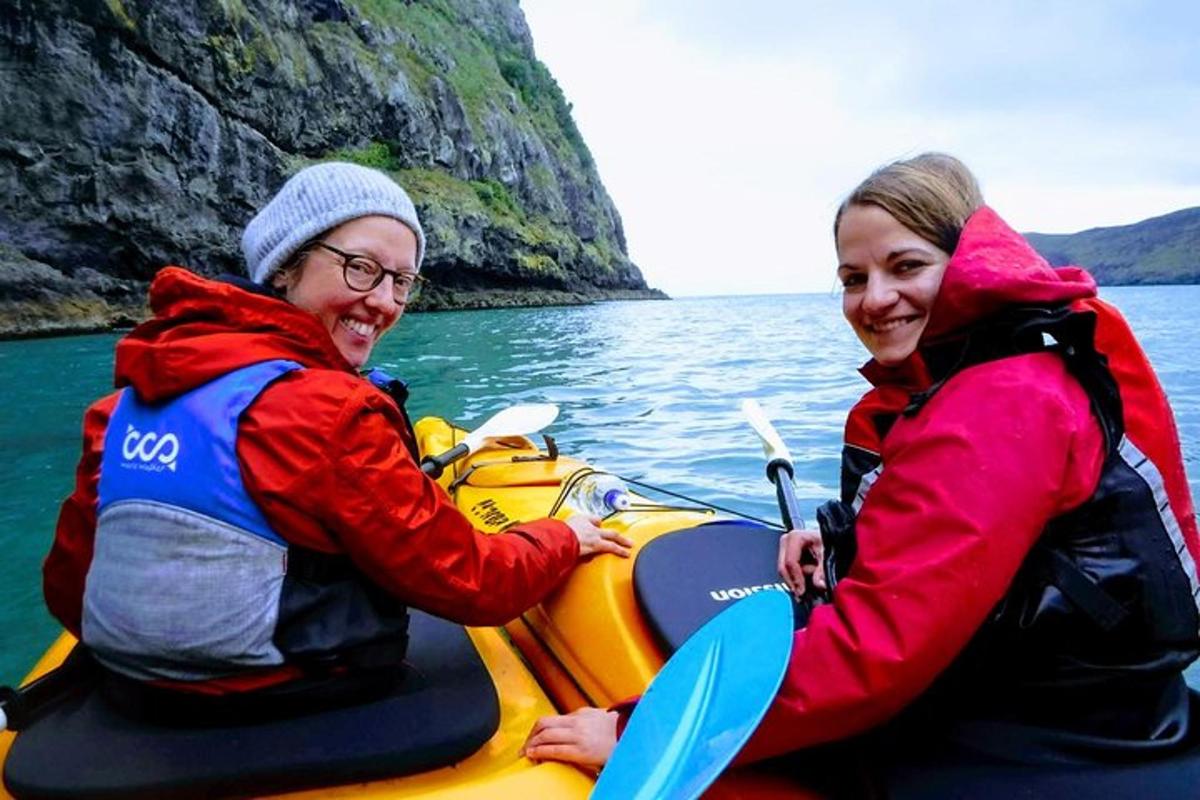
{"x": 585, "y": 737}
{"x": 593, "y": 539}
{"x": 801, "y": 553}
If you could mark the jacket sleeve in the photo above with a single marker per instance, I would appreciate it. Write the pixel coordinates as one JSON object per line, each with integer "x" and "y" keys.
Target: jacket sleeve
{"x": 968, "y": 485}
{"x": 66, "y": 566}
{"x": 357, "y": 481}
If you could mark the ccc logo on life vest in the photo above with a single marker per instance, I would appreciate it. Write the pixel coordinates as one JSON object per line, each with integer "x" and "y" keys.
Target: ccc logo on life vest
{"x": 149, "y": 450}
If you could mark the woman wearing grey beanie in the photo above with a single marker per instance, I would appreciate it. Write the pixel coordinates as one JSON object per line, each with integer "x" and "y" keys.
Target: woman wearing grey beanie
{"x": 249, "y": 513}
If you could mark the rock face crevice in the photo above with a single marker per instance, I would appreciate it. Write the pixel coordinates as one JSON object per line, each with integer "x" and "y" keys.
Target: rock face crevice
{"x": 135, "y": 133}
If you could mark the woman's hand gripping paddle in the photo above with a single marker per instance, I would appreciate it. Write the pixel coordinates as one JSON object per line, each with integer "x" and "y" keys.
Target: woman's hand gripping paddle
{"x": 704, "y": 704}
{"x": 781, "y": 472}
{"x": 519, "y": 420}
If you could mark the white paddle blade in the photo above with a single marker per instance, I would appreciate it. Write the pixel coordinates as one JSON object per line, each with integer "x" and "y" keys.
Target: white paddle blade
{"x": 773, "y": 446}
{"x": 513, "y": 421}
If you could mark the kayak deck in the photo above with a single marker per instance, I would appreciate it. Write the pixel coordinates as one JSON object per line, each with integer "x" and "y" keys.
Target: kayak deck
{"x": 494, "y": 770}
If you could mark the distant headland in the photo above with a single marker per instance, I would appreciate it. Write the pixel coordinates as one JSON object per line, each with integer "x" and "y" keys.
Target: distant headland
{"x": 1158, "y": 250}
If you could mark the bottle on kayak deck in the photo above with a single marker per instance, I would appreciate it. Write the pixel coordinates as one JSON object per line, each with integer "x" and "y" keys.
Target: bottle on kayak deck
{"x": 598, "y": 494}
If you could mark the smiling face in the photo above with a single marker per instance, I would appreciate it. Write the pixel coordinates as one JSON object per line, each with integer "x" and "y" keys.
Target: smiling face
{"x": 355, "y": 320}
{"x": 891, "y": 278}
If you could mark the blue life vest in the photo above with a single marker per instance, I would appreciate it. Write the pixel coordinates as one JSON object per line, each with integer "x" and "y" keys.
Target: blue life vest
{"x": 188, "y": 580}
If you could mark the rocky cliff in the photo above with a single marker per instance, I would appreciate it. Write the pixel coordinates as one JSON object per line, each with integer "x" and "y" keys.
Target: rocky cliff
{"x": 137, "y": 133}
{"x": 1162, "y": 249}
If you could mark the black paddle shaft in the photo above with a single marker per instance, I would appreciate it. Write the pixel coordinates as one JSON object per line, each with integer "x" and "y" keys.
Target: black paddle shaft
{"x": 780, "y": 472}
{"x": 434, "y": 466}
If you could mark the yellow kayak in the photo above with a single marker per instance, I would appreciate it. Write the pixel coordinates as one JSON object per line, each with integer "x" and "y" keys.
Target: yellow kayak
{"x": 80, "y": 747}
{"x": 495, "y": 770}
{"x": 595, "y": 641}
{"x": 586, "y": 644}
{"x": 591, "y": 642}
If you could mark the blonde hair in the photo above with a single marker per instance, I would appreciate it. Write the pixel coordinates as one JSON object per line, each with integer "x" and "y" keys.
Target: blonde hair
{"x": 932, "y": 195}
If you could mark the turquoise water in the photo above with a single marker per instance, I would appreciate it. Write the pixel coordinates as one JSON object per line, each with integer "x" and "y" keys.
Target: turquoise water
{"x": 649, "y": 390}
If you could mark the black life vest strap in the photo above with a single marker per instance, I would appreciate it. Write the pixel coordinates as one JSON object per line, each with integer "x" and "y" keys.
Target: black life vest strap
{"x": 1020, "y": 331}
{"x": 836, "y": 521}
{"x": 1079, "y": 588}
{"x": 1024, "y": 330}
{"x": 325, "y": 569}
{"x": 370, "y": 656}
{"x": 322, "y": 568}
{"x": 398, "y": 391}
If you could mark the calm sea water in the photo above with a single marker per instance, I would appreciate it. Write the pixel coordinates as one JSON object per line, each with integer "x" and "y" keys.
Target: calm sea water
{"x": 649, "y": 390}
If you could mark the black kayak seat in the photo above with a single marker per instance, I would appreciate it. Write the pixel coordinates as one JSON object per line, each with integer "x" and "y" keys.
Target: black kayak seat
{"x": 443, "y": 710}
{"x": 684, "y": 578}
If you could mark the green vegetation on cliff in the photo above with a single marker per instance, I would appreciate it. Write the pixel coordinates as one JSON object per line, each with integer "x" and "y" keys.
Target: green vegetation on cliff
{"x": 483, "y": 64}
{"x": 536, "y": 249}
{"x": 1160, "y": 250}
{"x": 144, "y": 133}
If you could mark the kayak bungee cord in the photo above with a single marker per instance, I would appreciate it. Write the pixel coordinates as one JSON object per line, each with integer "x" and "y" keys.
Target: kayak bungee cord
{"x": 522, "y": 420}
{"x": 697, "y": 505}
{"x": 702, "y": 504}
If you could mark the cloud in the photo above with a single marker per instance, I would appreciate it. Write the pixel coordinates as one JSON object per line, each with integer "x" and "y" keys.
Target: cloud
{"x": 727, "y": 133}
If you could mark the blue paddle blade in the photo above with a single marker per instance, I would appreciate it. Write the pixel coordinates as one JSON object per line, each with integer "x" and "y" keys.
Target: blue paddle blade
{"x": 704, "y": 704}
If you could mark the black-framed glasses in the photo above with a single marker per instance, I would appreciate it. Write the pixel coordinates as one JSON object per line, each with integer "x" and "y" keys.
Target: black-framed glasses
{"x": 363, "y": 274}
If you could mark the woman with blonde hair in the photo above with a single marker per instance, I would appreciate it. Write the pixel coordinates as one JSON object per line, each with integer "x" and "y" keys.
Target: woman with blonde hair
{"x": 1024, "y": 588}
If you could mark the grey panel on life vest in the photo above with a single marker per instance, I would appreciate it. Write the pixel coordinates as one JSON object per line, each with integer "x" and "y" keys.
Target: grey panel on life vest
{"x": 176, "y": 594}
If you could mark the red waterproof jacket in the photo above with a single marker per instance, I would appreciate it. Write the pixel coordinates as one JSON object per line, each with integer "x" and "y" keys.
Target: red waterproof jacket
{"x": 323, "y": 453}
{"x": 967, "y": 487}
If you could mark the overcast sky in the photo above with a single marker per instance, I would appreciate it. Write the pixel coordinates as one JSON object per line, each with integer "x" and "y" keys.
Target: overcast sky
{"x": 727, "y": 132}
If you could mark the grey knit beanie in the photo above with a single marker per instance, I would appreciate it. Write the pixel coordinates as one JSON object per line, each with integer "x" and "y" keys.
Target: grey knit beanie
{"x": 314, "y": 200}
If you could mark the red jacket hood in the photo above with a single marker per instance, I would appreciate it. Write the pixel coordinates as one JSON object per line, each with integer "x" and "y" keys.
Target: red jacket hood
{"x": 202, "y": 329}
{"x": 992, "y": 268}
